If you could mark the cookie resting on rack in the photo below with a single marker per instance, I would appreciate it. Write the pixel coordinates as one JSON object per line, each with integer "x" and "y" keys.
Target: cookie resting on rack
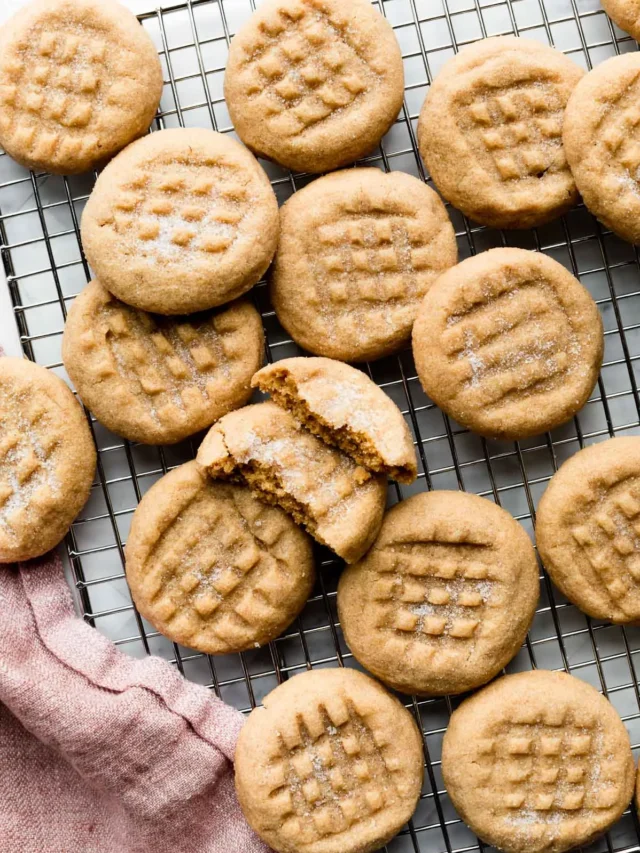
{"x": 181, "y": 221}
{"x": 602, "y": 141}
{"x": 47, "y": 460}
{"x": 314, "y": 84}
{"x": 626, "y": 14}
{"x": 338, "y": 501}
{"x": 444, "y": 598}
{"x": 79, "y": 80}
{"x": 490, "y": 132}
{"x": 588, "y": 529}
{"x": 330, "y": 764}
{"x": 158, "y": 379}
{"x": 508, "y": 343}
{"x": 346, "y": 409}
{"x": 212, "y": 567}
{"x": 357, "y": 252}
{"x": 538, "y": 762}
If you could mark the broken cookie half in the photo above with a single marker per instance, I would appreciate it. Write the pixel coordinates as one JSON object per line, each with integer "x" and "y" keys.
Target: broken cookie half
{"x": 339, "y": 502}
{"x": 346, "y": 409}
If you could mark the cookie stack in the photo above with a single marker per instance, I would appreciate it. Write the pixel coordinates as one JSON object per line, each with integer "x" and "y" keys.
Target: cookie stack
{"x": 439, "y": 592}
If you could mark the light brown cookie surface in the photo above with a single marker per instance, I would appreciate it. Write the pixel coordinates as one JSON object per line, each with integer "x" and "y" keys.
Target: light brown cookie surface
{"x": 444, "y": 598}
{"x": 588, "y": 529}
{"x": 181, "y": 221}
{"x": 213, "y": 568}
{"x": 508, "y": 343}
{"x": 357, "y": 252}
{"x": 339, "y": 503}
{"x": 79, "y": 80}
{"x": 602, "y": 141}
{"x": 538, "y": 762}
{"x": 626, "y": 14}
{"x": 47, "y": 460}
{"x": 314, "y": 84}
{"x": 346, "y": 409}
{"x": 157, "y": 379}
{"x": 331, "y": 764}
{"x": 490, "y": 132}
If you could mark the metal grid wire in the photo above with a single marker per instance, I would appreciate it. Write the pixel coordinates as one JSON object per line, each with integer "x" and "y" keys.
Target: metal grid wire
{"x": 40, "y": 245}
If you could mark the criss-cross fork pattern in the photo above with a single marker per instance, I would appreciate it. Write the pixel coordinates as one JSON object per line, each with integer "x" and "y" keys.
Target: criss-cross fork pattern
{"x": 332, "y": 772}
{"x": 555, "y": 768}
{"x": 54, "y": 81}
{"x": 519, "y": 127}
{"x": 304, "y": 70}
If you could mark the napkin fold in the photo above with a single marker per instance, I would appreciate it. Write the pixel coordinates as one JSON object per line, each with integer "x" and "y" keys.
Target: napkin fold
{"x": 99, "y": 751}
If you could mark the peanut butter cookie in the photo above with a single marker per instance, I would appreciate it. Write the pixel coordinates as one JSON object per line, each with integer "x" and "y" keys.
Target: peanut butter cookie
{"x": 602, "y": 141}
{"x": 588, "y": 529}
{"x": 342, "y": 406}
{"x": 159, "y": 379}
{"x": 47, "y": 460}
{"x": 358, "y": 250}
{"x": 490, "y": 132}
{"x": 79, "y": 80}
{"x": 538, "y": 762}
{"x": 508, "y": 343}
{"x": 339, "y": 503}
{"x": 181, "y": 221}
{"x": 331, "y": 764}
{"x": 314, "y": 84}
{"x": 444, "y": 598}
{"x": 626, "y": 14}
{"x": 212, "y": 567}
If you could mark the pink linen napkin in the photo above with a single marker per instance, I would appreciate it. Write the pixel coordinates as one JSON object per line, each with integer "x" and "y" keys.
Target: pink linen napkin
{"x": 101, "y": 753}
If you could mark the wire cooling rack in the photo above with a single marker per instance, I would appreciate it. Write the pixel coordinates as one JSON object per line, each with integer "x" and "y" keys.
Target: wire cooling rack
{"x": 40, "y": 245}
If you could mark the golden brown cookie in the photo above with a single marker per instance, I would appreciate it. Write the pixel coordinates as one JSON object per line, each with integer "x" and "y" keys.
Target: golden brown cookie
{"x": 444, "y": 598}
{"x": 626, "y": 14}
{"x": 602, "y": 141}
{"x": 314, "y": 84}
{"x": 358, "y": 250}
{"x": 47, "y": 460}
{"x": 159, "y": 379}
{"x": 588, "y": 529}
{"x": 508, "y": 343}
{"x": 212, "y": 567}
{"x": 538, "y": 762}
{"x": 331, "y": 764}
{"x": 181, "y": 221}
{"x": 346, "y": 409}
{"x": 490, "y": 132}
{"x": 339, "y": 503}
{"x": 79, "y": 80}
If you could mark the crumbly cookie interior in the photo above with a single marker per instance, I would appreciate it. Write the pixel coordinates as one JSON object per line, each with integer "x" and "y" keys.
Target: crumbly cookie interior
{"x": 264, "y": 480}
{"x": 283, "y": 390}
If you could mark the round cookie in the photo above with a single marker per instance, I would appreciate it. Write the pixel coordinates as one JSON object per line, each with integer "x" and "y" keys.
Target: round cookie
{"x": 79, "y": 80}
{"x": 358, "y": 250}
{"x": 47, "y": 460}
{"x": 339, "y": 503}
{"x": 602, "y": 143}
{"x": 626, "y": 14}
{"x": 159, "y": 379}
{"x": 346, "y": 409}
{"x": 490, "y": 132}
{"x": 538, "y": 762}
{"x": 181, "y": 221}
{"x": 508, "y": 343}
{"x": 314, "y": 84}
{"x": 331, "y": 764}
{"x": 212, "y": 567}
{"x": 588, "y": 529}
{"x": 444, "y": 598}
